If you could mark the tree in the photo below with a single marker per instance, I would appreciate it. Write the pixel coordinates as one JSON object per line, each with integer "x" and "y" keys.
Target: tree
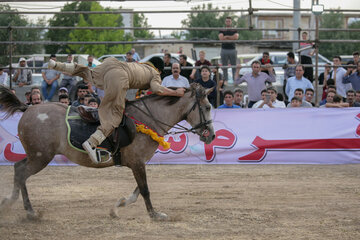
{"x": 65, "y": 20}
{"x": 99, "y": 20}
{"x": 18, "y": 35}
{"x": 141, "y": 21}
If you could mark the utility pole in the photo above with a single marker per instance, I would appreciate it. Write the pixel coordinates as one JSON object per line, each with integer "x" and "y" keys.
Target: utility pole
{"x": 296, "y": 23}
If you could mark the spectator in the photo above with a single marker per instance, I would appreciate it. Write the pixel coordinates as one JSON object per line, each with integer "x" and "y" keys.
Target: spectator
{"x": 13, "y": 91}
{"x": 353, "y": 78}
{"x": 298, "y": 81}
{"x": 324, "y": 76}
{"x": 270, "y": 100}
{"x": 195, "y": 74}
{"x": 35, "y": 90}
{"x": 81, "y": 92}
{"x": 289, "y": 71}
{"x": 180, "y": 50}
{"x": 357, "y": 96}
{"x": 356, "y": 57}
{"x": 350, "y": 98}
{"x": 87, "y": 97}
{"x": 295, "y": 102}
{"x": 265, "y": 60}
{"x": 228, "y": 99}
{"x": 22, "y": 76}
{"x": 337, "y": 102}
{"x": 175, "y": 80}
{"x": 167, "y": 63}
{"x": 28, "y": 98}
{"x": 183, "y": 63}
{"x": 36, "y": 98}
{"x": 90, "y": 60}
{"x": 329, "y": 84}
{"x": 3, "y": 77}
{"x": 239, "y": 98}
{"x": 309, "y": 95}
{"x": 329, "y": 98}
{"x": 129, "y": 57}
{"x": 93, "y": 103}
{"x": 255, "y": 81}
{"x": 63, "y": 90}
{"x": 50, "y": 77}
{"x": 305, "y": 57}
{"x": 135, "y": 55}
{"x": 228, "y": 49}
{"x": 206, "y": 82}
{"x": 219, "y": 84}
{"x": 64, "y": 99}
{"x": 68, "y": 81}
{"x": 300, "y": 94}
{"x": 338, "y": 75}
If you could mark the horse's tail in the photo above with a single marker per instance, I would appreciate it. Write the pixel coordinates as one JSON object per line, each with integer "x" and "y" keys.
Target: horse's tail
{"x": 10, "y": 103}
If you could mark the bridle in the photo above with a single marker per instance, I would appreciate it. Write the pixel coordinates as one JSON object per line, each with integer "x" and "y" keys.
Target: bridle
{"x": 202, "y": 125}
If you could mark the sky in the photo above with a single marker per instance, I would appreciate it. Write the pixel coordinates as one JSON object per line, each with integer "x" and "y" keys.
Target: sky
{"x": 172, "y": 20}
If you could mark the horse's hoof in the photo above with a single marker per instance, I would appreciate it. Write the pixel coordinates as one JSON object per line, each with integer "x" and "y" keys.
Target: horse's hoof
{"x": 160, "y": 217}
{"x": 32, "y": 216}
{"x": 121, "y": 202}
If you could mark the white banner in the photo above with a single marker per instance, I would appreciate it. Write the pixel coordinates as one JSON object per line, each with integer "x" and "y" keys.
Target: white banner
{"x": 246, "y": 136}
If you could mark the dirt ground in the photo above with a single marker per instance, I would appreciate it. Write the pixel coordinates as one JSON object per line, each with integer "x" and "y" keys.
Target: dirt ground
{"x": 203, "y": 202}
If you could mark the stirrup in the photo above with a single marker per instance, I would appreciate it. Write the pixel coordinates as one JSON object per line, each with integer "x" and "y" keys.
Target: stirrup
{"x": 91, "y": 152}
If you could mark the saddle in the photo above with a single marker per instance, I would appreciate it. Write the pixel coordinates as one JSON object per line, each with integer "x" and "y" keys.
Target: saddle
{"x": 83, "y": 121}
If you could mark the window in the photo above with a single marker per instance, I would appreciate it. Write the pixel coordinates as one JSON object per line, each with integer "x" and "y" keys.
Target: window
{"x": 271, "y": 23}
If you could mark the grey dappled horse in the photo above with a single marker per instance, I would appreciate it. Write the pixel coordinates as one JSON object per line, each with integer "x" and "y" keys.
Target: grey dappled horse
{"x": 47, "y": 123}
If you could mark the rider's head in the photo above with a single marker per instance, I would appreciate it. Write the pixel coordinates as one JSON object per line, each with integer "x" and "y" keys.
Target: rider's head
{"x": 158, "y": 63}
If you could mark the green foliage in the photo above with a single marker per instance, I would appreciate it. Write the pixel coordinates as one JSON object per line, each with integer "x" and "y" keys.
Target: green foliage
{"x": 18, "y": 35}
{"x": 99, "y": 20}
{"x": 335, "y": 19}
{"x": 65, "y": 20}
{"x": 141, "y": 21}
{"x": 212, "y": 19}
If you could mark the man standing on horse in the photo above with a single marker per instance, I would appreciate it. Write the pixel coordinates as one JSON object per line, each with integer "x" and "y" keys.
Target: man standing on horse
{"x": 115, "y": 78}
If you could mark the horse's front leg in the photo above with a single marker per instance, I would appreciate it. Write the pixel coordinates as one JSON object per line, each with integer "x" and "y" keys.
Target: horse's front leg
{"x": 140, "y": 177}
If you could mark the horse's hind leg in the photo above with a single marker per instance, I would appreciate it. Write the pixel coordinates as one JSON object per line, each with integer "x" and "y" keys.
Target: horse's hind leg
{"x": 7, "y": 202}
{"x": 140, "y": 177}
{"x": 125, "y": 201}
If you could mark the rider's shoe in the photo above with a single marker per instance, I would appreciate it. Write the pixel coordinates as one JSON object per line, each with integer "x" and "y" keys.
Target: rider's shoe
{"x": 90, "y": 145}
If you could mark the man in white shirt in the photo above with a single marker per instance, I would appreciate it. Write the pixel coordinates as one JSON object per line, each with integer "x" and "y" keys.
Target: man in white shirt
{"x": 3, "y": 77}
{"x": 270, "y": 100}
{"x": 338, "y": 74}
{"x": 298, "y": 81}
{"x": 175, "y": 80}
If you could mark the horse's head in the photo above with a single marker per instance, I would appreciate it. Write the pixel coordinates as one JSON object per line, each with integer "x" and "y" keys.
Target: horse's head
{"x": 198, "y": 113}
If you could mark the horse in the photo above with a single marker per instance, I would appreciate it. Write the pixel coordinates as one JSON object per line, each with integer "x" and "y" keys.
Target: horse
{"x": 47, "y": 122}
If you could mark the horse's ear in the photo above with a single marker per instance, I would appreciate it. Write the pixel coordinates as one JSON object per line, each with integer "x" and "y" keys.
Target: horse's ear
{"x": 208, "y": 91}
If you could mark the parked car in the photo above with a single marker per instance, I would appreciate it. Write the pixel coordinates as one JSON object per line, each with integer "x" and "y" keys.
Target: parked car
{"x": 120, "y": 57}
{"x": 175, "y": 57}
{"x": 241, "y": 58}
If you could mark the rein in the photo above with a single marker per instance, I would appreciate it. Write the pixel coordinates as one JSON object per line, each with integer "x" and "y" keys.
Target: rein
{"x": 183, "y": 129}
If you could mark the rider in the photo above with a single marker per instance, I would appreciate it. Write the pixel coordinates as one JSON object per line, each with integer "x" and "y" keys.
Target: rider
{"x": 115, "y": 78}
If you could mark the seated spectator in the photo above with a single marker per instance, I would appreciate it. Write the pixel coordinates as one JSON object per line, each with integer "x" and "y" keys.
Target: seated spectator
{"x": 167, "y": 64}
{"x": 36, "y": 98}
{"x": 228, "y": 99}
{"x": 68, "y": 81}
{"x": 27, "y": 97}
{"x": 175, "y": 80}
{"x": 350, "y": 98}
{"x": 255, "y": 81}
{"x": 64, "y": 98}
{"x": 309, "y": 95}
{"x": 299, "y": 81}
{"x": 357, "y": 96}
{"x": 329, "y": 98}
{"x": 239, "y": 98}
{"x": 22, "y": 76}
{"x": 35, "y": 90}
{"x": 129, "y": 57}
{"x": 353, "y": 78}
{"x": 81, "y": 92}
{"x": 270, "y": 100}
{"x": 330, "y": 83}
{"x": 183, "y": 63}
{"x": 206, "y": 82}
{"x": 295, "y": 102}
{"x": 337, "y": 102}
{"x": 50, "y": 77}
{"x": 195, "y": 74}
{"x": 63, "y": 90}
{"x": 264, "y": 61}
{"x": 300, "y": 94}
{"x": 93, "y": 103}
{"x": 3, "y": 77}
{"x": 324, "y": 76}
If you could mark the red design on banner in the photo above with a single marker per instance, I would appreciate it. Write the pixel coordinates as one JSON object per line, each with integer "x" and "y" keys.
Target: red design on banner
{"x": 262, "y": 146}
{"x": 176, "y": 146}
{"x": 358, "y": 127}
{"x": 11, "y": 156}
{"x": 224, "y": 139}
